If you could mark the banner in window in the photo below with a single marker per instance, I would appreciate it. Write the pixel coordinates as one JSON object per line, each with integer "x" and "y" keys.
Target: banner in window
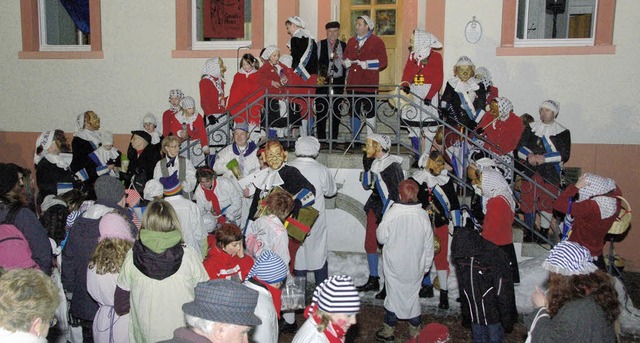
{"x": 223, "y": 19}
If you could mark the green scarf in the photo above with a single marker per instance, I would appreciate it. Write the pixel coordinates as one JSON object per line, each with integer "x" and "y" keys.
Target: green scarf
{"x": 158, "y": 242}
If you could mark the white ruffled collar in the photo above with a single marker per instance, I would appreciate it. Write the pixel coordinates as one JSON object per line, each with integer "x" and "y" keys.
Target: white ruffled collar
{"x": 541, "y": 129}
{"x": 383, "y": 162}
{"x": 88, "y": 135}
{"x": 422, "y": 176}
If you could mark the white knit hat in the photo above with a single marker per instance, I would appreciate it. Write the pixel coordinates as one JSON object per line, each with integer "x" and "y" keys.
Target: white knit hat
{"x": 150, "y": 118}
{"x": 551, "y": 105}
{"x": 385, "y": 141}
{"x": 187, "y": 102}
{"x": 337, "y": 294}
{"x": 268, "y": 51}
{"x": 569, "y": 258}
{"x": 367, "y": 20}
{"x": 307, "y": 146}
{"x": 297, "y": 21}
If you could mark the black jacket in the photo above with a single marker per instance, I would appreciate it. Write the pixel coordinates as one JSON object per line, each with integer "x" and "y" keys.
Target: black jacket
{"x": 47, "y": 177}
{"x": 484, "y": 279}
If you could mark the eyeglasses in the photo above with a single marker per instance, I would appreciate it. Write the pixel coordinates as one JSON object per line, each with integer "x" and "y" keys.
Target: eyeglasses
{"x": 173, "y": 146}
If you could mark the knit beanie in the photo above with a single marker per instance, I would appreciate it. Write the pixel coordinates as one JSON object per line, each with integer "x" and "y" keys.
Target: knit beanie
{"x": 171, "y": 185}
{"x": 8, "y": 178}
{"x": 269, "y": 268}
{"x": 112, "y": 225}
{"x": 337, "y": 294}
{"x": 569, "y": 258}
{"x": 109, "y": 189}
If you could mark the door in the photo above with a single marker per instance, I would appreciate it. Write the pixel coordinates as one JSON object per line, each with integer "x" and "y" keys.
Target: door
{"x": 386, "y": 15}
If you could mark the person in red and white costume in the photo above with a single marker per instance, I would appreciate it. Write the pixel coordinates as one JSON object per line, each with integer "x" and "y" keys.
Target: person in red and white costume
{"x": 423, "y": 74}
{"x": 189, "y": 125}
{"x": 244, "y": 92}
{"x": 218, "y": 198}
{"x": 365, "y": 57}
{"x": 272, "y": 79}
{"x": 175, "y": 95}
{"x": 214, "y": 101}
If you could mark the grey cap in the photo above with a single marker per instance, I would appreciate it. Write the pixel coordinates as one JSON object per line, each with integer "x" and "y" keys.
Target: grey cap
{"x": 109, "y": 189}
{"x": 224, "y": 301}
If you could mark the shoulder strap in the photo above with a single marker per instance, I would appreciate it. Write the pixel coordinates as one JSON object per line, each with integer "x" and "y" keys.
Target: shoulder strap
{"x": 12, "y": 214}
{"x": 163, "y": 168}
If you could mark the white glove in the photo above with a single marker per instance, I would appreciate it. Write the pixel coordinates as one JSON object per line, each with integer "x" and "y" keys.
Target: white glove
{"x": 347, "y": 63}
{"x": 362, "y": 64}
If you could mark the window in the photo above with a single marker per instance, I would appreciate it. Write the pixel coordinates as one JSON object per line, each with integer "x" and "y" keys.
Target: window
{"x": 197, "y": 34}
{"x": 556, "y": 22}
{"x": 557, "y": 27}
{"x": 60, "y": 29}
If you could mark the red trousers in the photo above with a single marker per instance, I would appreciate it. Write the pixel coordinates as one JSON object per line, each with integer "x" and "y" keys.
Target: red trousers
{"x": 370, "y": 240}
{"x": 533, "y": 198}
{"x": 440, "y": 260}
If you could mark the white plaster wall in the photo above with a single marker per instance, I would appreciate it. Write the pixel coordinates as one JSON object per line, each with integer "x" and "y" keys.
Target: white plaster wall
{"x": 597, "y": 93}
{"x": 598, "y": 99}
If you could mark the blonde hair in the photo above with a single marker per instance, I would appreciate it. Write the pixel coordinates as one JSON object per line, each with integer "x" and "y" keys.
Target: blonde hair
{"x": 25, "y": 295}
{"x": 168, "y": 140}
{"x": 324, "y": 320}
{"x": 160, "y": 216}
{"x": 109, "y": 255}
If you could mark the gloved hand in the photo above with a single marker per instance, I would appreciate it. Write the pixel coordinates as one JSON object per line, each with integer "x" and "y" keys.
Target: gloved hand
{"x": 212, "y": 120}
{"x": 297, "y": 205}
{"x": 362, "y": 64}
{"x": 427, "y": 101}
{"x": 479, "y": 130}
{"x": 406, "y": 89}
{"x": 347, "y": 63}
{"x": 367, "y": 162}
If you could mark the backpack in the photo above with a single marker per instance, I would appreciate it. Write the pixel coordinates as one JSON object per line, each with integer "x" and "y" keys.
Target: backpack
{"x": 623, "y": 219}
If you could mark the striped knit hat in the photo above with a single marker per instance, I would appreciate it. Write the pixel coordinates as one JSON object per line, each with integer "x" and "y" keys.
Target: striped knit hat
{"x": 337, "y": 294}
{"x": 171, "y": 185}
{"x": 569, "y": 258}
{"x": 269, "y": 268}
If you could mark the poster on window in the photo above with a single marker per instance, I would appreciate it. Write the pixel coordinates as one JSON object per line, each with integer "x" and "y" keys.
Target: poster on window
{"x": 223, "y": 19}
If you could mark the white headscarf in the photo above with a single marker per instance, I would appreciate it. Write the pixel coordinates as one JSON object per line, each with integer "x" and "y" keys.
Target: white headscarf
{"x": 45, "y": 140}
{"x": 494, "y": 185}
{"x": 505, "y": 107}
{"x": 598, "y": 185}
{"x": 87, "y": 135}
{"x": 268, "y": 51}
{"x": 423, "y": 41}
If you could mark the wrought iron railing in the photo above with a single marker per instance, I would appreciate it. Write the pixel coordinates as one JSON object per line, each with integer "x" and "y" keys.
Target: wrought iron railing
{"x": 306, "y": 106}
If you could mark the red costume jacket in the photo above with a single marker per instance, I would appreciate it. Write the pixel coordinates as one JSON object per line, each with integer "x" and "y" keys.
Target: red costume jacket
{"x": 240, "y": 96}
{"x": 505, "y": 135}
{"x": 211, "y": 100}
{"x": 167, "y": 119}
{"x": 372, "y": 50}
{"x": 197, "y": 132}
{"x": 497, "y": 226}
{"x": 588, "y": 228}
{"x": 432, "y": 71}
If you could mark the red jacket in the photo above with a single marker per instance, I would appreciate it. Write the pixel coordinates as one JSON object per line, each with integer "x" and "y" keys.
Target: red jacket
{"x": 588, "y": 228}
{"x": 211, "y": 100}
{"x": 497, "y": 226}
{"x": 433, "y": 73}
{"x": 167, "y": 119}
{"x": 506, "y": 134}
{"x": 268, "y": 73}
{"x": 220, "y": 265}
{"x": 372, "y": 49}
{"x": 240, "y": 96}
{"x": 197, "y": 132}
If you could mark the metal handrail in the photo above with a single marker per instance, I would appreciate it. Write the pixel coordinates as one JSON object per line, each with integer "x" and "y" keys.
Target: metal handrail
{"x": 306, "y": 99}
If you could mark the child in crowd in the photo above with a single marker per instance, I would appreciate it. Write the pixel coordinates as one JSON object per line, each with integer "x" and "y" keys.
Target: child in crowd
{"x": 189, "y": 125}
{"x": 212, "y": 97}
{"x": 104, "y": 267}
{"x": 226, "y": 258}
{"x": 331, "y": 313}
{"x": 175, "y": 95}
{"x": 268, "y": 232}
{"x": 158, "y": 275}
{"x": 266, "y": 277}
{"x": 172, "y": 162}
{"x": 219, "y": 199}
{"x": 150, "y": 124}
{"x": 244, "y": 90}
{"x": 107, "y": 157}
